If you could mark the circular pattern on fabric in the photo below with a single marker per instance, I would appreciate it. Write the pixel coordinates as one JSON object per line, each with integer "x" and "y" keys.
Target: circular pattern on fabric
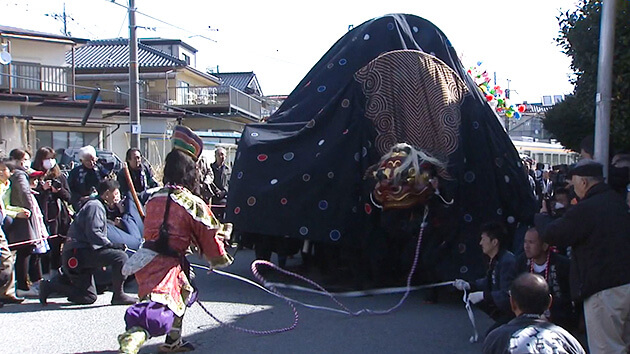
{"x": 499, "y": 211}
{"x": 469, "y": 176}
{"x": 357, "y": 156}
{"x": 342, "y": 61}
{"x": 345, "y": 103}
{"x": 367, "y": 208}
{"x": 310, "y": 124}
{"x": 323, "y": 205}
{"x": 284, "y": 201}
{"x": 364, "y": 151}
{"x": 273, "y": 181}
{"x": 321, "y": 88}
{"x": 321, "y": 142}
{"x": 318, "y": 154}
{"x": 376, "y": 104}
{"x": 507, "y": 179}
{"x": 415, "y": 29}
{"x": 288, "y": 156}
{"x": 254, "y": 134}
{"x": 345, "y": 132}
{"x": 498, "y": 161}
{"x": 331, "y": 175}
{"x": 306, "y": 177}
{"x": 251, "y": 201}
{"x": 475, "y": 124}
{"x": 463, "y": 269}
{"x": 262, "y": 157}
{"x": 372, "y": 83}
{"x": 237, "y": 210}
{"x": 511, "y": 220}
{"x": 330, "y": 65}
{"x": 366, "y": 37}
{"x": 461, "y": 248}
{"x": 354, "y": 209}
{"x": 519, "y": 164}
{"x": 468, "y": 218}
{"x": 390, "y": 26}
{"x": 384, "y": 123}
{"x": 335, "y": 235}
{"x": 303, "y": 230}
{"x": 239, "y": 175}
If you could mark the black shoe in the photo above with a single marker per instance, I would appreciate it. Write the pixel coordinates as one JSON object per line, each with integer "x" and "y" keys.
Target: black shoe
{"x": 179, "y": 345}
{"x": 12, "y": 300}
{"x": 123, "y": 299}
{"x": 45, "y": 289}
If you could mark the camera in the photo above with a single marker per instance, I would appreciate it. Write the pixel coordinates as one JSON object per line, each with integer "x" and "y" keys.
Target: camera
{"x": 55, "y": 183}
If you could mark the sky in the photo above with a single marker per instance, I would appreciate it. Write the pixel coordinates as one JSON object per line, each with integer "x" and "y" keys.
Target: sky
{"x": 280, "y": 41}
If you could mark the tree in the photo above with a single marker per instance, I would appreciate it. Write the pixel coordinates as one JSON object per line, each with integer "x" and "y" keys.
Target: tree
{"x": 574, "y": 118}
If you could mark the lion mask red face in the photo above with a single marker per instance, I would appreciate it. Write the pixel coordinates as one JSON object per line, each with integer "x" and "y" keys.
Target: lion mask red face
{"x": 403, "y": 178}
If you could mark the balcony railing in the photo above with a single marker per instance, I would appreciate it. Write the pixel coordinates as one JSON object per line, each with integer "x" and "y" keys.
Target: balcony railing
{"x": 35, "y": 78}
{"x": 218, "y": 98}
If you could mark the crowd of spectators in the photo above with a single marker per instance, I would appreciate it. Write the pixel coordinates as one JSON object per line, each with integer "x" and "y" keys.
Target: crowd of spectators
{"x": 579, "y": 245}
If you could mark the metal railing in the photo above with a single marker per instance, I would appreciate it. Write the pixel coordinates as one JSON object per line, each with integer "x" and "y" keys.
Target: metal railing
{"x": 35, "y": 78}
{"x": 224, "y": 98}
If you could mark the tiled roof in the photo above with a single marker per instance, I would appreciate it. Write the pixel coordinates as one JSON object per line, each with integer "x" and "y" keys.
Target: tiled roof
{"x": 238, "y": 80}
{"x": 26, "y": 32}
{"x": 114, "y": 53}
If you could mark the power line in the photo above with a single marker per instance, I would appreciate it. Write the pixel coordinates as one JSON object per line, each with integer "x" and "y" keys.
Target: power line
{"x": 162, "y": 21}
{"x": 179, "y": 109}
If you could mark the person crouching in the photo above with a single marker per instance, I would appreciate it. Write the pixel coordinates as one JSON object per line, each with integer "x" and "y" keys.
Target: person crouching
{"x": 87, "y": 250}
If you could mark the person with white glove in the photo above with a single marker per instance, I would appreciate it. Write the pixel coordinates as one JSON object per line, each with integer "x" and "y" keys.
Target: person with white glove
{"x": 461, "y": 284}
{"x": 490, "y": 293}
{"x": 476, "y": 297}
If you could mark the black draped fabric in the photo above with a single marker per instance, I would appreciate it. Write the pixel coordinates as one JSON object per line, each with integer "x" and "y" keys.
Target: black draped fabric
{"x": 393, "y": 79}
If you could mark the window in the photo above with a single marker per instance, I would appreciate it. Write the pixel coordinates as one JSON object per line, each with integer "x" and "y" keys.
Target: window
{"x": 63, "y": 140}
{"x": 186, "y": 58}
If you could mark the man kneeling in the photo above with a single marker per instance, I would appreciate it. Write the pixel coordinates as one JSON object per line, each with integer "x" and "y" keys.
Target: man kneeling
{"x": 87, "y": 250}
{"x": 530, "y": 332}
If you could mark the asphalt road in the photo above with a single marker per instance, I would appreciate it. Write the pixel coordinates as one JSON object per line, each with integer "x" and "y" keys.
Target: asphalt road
{"x": 416, "y": 327}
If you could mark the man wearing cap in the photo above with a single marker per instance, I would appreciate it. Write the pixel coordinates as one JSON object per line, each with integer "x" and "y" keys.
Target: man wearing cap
{"x": 598, "y": 230}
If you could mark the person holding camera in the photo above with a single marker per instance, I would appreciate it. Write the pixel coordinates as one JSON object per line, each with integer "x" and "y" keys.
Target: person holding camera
{"x": 85, "y": 178}
{"x": 54, "y": 192}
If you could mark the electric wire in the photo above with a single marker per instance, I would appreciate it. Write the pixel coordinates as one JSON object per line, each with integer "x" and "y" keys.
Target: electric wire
{"x": 161, "y": 21}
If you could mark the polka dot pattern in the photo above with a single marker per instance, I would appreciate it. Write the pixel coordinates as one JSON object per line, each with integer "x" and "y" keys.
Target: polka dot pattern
{"x": 251, "y": 201}
{"x": 335, "y": 235}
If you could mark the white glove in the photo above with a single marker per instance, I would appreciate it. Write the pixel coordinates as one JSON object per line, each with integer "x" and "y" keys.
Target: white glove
{"x": 460, "y": 284}
{"x": 476, "y": 297}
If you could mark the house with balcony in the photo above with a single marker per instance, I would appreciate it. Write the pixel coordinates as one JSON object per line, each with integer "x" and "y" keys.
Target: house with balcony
{"x": 168, "y": 81}
{"x": 37, "y": 96}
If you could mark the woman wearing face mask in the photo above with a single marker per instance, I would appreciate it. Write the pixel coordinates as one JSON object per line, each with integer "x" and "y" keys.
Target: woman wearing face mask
{"x": 53, "y": 194}
{"x": 28, "y": 270}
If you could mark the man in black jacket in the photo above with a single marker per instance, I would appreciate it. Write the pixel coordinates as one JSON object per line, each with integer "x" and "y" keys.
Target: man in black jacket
{"x": 598, "y": 231}
{"x": 538, "y": 258}
{"x": 490, "y": 293}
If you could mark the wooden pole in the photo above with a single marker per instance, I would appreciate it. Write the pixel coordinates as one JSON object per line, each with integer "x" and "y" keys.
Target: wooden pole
{"x": 132, "y": 189}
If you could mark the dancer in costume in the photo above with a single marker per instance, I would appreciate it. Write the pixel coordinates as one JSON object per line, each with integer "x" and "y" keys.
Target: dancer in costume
{"x": 176, "y": 219}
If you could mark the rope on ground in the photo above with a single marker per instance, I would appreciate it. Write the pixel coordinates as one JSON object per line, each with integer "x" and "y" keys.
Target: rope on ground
{"x": 272, "y": 289}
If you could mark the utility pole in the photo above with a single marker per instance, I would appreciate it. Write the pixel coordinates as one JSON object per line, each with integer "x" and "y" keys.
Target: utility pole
{"x": 604, "y": 83}
{"x": 134, "y": 99}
